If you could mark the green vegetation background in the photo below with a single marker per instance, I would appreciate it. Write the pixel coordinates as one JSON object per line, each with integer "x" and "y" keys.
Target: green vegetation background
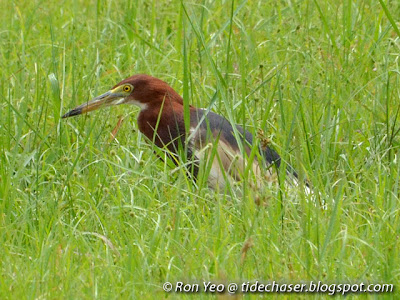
{"x": 84, "y": 216}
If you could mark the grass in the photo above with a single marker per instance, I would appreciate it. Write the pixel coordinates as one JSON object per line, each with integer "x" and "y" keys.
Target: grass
{"x": 83, "y": 216}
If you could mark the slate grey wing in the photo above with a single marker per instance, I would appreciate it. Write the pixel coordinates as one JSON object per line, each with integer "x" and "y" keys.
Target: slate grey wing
{"x": 209, "y": 130}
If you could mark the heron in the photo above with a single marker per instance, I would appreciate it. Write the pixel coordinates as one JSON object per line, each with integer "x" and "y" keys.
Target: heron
{"x": 206, "y": 138}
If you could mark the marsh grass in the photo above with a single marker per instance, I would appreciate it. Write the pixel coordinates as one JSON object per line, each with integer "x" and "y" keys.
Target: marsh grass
{"x": 85, "y": 217}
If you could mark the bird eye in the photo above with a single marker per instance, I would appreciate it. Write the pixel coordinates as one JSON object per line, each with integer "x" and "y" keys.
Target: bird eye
{"x": 127, "y": 88}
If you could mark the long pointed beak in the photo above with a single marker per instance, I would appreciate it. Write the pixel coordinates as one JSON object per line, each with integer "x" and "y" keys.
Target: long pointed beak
{"x": 112, "y": 97}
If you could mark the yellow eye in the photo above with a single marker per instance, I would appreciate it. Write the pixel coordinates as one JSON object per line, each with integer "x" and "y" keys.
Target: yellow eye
{"x": 127, "y": 88}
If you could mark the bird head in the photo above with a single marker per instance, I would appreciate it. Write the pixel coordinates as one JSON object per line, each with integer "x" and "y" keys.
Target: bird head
{"x": 141, "y": 90}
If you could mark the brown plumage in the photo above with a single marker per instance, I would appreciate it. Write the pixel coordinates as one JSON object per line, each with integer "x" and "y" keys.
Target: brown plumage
{"x": 161, "y": 120}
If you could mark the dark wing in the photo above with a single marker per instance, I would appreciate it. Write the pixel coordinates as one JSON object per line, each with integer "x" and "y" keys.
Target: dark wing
{"x": 220, "y": 127}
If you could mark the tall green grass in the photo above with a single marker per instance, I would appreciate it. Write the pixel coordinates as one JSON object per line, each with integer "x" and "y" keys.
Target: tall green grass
{"x": 84, "y": 216}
